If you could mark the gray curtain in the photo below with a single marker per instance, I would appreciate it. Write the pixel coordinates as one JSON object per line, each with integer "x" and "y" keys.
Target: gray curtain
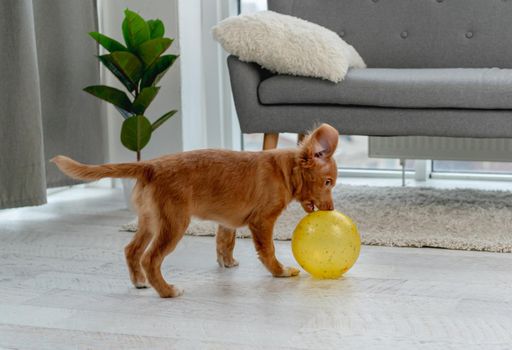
{"x": 46, "y": 58}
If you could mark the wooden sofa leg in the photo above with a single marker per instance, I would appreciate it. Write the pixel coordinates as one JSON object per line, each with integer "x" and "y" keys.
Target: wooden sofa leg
{"x": 270, "y": 141}
{"x": 300, "y": 137}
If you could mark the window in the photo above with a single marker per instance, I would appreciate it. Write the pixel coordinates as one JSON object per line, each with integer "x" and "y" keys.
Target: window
{"x": 250, "y": 6}
{"x": 471, "y": 167}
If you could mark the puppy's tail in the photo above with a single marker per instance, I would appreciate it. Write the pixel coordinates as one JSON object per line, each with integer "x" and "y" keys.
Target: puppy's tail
{"x": 76, "y": 170}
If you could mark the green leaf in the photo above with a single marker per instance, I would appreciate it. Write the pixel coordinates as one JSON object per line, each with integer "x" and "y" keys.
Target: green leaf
{"x": 152, "y": 49}
{"x": 129, "y": 64}
{"x": 112, "y": 95}
{"x": 136, "y": 132}
{"x": 124, "y": 114}
{"x": 108, "y": 43}
{"x": 162, "y": 120}
{"x": 156, "y": 28}
{"x": 144, "y": 99}
{"x": 125, "y": 66}
{"x": 135, "y": 30}
{"x": 157, "y": 70}
{"x": 108, "y": 61}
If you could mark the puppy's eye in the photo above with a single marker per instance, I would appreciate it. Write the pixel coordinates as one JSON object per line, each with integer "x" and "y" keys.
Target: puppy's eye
{"x": 328, "y": 182}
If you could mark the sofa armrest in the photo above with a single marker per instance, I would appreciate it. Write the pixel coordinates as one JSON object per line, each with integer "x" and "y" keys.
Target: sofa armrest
{"x": 245, "y": 79}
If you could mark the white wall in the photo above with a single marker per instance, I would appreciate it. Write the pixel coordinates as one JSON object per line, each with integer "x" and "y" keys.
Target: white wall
{"x": 168, "y": 138}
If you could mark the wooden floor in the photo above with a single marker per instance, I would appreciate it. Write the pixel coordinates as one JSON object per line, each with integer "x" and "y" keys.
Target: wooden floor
{"x": 64, "y": 285}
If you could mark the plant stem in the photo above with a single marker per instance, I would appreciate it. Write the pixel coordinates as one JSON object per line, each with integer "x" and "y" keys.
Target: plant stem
{"x": 137, "y": 94}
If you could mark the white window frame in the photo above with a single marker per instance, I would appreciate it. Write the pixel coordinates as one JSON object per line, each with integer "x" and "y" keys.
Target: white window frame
{"x": 209, "y": 114}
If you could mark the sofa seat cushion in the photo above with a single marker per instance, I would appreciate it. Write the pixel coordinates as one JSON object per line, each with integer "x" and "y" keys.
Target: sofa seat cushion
{"x": 463, "y": 88}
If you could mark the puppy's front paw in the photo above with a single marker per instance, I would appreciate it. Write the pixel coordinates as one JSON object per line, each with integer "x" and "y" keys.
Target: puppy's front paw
{"x": 288, "y": 272}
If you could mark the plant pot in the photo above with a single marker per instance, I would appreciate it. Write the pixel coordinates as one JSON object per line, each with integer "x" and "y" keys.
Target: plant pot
{"x": 128, "y": 185}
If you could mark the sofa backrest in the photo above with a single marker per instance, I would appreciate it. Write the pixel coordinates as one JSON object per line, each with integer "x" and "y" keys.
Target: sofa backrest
{"x": 416, "y": 33}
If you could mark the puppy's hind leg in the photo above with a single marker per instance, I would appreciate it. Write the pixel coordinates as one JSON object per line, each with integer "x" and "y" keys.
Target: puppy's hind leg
{"x": 226, "y": 238}
{"x": 134, "y": 250}
{"x": 173, "y": 220}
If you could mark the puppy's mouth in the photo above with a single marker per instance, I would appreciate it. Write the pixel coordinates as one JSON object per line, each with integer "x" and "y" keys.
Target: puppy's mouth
{"x": 309, "y": 206}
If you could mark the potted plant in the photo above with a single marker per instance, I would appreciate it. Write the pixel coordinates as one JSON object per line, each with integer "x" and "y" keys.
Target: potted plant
{"x": 139, "y": 65}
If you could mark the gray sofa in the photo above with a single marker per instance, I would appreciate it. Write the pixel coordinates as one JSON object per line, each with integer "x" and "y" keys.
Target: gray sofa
{"x": 435, "y": 68}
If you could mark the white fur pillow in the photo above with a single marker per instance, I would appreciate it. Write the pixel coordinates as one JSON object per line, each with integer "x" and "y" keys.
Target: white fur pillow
{"x": 287, "y": 45}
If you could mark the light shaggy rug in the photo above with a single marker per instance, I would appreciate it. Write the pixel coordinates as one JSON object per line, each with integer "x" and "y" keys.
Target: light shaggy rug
{"x": 409, "y": 217}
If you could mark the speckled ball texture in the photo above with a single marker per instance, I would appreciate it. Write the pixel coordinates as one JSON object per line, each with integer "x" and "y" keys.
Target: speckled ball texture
{"x": 326, "y": 244}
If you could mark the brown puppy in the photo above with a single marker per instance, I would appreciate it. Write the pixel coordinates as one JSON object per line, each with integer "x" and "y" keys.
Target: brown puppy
{"x": 232, "y": 188}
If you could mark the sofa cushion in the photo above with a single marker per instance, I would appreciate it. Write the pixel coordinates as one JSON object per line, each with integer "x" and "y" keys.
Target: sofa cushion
{"x": 478, "y": 88}
{"x": 287, "y": 45}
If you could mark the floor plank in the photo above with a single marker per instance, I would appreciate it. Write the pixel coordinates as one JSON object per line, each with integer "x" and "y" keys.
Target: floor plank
{"x": 64, "y": 285}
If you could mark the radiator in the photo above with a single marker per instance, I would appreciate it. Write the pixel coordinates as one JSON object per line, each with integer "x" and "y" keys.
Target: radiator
{"x": 440, "y": 148}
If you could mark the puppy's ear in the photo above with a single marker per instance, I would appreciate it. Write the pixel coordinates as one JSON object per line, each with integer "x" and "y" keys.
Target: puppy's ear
{"x": 320, "y": 145}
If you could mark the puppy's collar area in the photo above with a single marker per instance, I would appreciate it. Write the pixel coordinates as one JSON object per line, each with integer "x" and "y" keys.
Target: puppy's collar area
{"x": 297, "y": 180}
{"x": 294, "y": 185}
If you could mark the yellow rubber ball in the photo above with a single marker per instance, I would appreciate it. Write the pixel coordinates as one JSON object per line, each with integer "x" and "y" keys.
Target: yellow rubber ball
{"x": 326, "y": 244}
